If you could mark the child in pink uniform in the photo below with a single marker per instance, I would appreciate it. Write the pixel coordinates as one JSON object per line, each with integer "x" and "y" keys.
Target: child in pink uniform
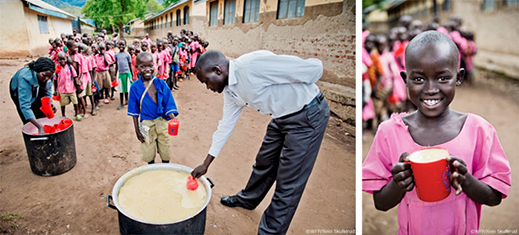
{"x": 480, "y": 171}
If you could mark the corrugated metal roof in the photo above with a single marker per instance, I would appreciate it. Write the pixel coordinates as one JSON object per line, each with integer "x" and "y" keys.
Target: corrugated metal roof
{"x": 167, "y": 9}
{"x": 41, "y": 6}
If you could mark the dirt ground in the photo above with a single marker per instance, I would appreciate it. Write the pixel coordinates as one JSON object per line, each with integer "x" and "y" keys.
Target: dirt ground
{"x": 106, "y": 147}
{"x": 502, "y": 112}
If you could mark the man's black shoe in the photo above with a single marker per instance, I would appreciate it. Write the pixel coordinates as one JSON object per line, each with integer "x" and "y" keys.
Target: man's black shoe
{"x": 232, "y": 201}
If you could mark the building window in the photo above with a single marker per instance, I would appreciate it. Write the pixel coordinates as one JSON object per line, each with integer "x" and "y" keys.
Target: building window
{"x": 42, "y": 23}
{"x": 511, "y": 2}
{"x": 171, "y": 19}
{"x": 446, "y": 5}
{"x": 186, "y": 15}
{"x": 291, "y": 8}
{"x": 251, "y": 11}
{"x": 489, "y": 5}
{"x": 178, "y": 18}
{"x": 166, "y": 22}
{"x": 161, "y": 22}
{"x": 213, "y": 14}
{"x": 229, "y": 11}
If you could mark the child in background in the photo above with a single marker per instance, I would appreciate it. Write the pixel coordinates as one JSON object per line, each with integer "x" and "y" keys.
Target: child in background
{"x": 131, "y": 51}
{"x": 175, "y": 60}
{"x": 152, "y": 110}
{"x": 103, "y": 61}
{"x": 86, "y": 84}
{"x": 136, "y": 43}
{"x": 155, "y": 54}
{"x": 480, "y": 171}
{"x": 144, "y": 46}
{"x": 76, "y": 60}
{"x": 183, "y": 60}
{"x": 51, "y": 47}
{"x": 123, "y": 65}
{"x": 95, "y": 95}
{"x": 64, "y": 83}
{"x": 161, "y": 59}
{"x": 110, "y": 49}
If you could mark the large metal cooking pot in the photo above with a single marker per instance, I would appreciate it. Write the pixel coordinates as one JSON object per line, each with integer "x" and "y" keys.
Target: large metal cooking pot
{"x": 50, "y": 154}
{"x": 128, "y": 224}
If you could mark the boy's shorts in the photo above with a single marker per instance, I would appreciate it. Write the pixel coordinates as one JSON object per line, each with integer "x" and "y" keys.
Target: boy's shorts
{"x": 66, "y": 98}
{"x": 174, "y": 67}
{"x": 112, "y": 72}
{"x": 103, "y": 79}
{"x": 124, "y": 80}
{"x": 159, "y": 136}
{"x": 88, "y": 89}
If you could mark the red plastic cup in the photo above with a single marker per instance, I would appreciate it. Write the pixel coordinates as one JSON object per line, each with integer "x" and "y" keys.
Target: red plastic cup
{"x": 431, "y": 173}
{"x": 114, "y": 83}
{"x": 47, "y": 129}
{"x": 45, "y": 101}
{"x": 192, "y": 183}
{"x": 65, "y": 123}
{"x": 173, "y": 127}
{"x": 56, "y": 97}
{"x": 94, "y": 89}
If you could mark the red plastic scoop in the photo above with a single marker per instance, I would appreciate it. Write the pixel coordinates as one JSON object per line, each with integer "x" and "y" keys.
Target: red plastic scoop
{"x": 192, "y": 183}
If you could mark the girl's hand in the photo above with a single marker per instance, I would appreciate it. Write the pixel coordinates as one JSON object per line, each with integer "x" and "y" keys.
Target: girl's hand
{"x": 402, "y": 173}
{"x": 458, "y": 170}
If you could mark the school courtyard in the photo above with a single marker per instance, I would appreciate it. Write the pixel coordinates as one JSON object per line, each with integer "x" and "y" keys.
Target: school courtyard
{"x": 106, "y": 148}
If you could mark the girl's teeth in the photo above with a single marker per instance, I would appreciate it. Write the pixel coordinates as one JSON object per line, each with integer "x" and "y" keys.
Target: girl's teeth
{"x": 431, "y": 102}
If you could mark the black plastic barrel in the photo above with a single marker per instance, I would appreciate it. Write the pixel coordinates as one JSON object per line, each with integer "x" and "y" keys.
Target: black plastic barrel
{"x": 128, "y": 224}
{"x": 50, "y": 154}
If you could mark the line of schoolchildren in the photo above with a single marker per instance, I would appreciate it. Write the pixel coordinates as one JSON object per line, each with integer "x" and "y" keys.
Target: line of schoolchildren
{"x": 88, "y": 66}
{"x": 384, "y": 91}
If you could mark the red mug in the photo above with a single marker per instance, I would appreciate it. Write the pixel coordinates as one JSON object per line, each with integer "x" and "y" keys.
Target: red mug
{"x": 173, "y": 127}
{"x": 431, "y": 173}
{"x": 94, "y": 89}
{"x": 114, "y": 83}
{"x": 47, "y": 129}
{"x": 56, "y": 97}
{"x": 192, "y": 183}
{"x": 46, "y": 107}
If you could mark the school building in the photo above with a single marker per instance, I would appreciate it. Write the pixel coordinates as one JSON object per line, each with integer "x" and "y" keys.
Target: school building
{"x": 28, "y": 24}
{"x": 135, "y": 27}
{"x": 494, "y": 23}
{"x": 323, "y": 29}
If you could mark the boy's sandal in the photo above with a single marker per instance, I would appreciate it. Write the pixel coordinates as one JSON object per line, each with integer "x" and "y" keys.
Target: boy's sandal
{"x": 78, "y": 117}
{"x": 93, "y": 113}
{"x": 106, "y": 101}
{"x": 119, "y": 107}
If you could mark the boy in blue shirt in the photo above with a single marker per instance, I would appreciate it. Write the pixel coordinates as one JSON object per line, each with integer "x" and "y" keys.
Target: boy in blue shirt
{"x": 151, "y": 104}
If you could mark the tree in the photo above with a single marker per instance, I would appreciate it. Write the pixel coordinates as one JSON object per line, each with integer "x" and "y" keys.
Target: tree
{"x": 154, "y": 7}
{"x": 167, "y": 3}
{"x": 114, "y": 12}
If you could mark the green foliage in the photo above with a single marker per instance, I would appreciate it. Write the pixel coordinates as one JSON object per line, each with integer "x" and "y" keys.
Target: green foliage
{"x": 114, "y": 12}
{"x": 154, "y": 7}
{"x": 8, "y": 223}
{"x": 10, "y": 217}
{"x": 367, "y": 3}
{"x": 167, "y": 3}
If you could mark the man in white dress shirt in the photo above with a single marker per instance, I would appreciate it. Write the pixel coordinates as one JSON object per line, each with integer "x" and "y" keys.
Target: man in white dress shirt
{"x": 283, "y": 87}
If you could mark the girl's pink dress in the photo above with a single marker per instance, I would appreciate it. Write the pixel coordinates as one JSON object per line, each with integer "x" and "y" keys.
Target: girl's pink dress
{"x": 477, "y": 144}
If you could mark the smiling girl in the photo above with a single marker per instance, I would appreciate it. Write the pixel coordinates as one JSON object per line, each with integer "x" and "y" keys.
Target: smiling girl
{"x": 480, "y": 171}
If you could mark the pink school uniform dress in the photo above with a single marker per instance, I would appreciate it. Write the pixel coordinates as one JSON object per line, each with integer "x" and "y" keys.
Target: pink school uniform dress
{"x": 460, "y": 41}
{"x": 391, "y": 76}
{"x": 163, "y": 62}
{"x": 85, "y": 70}
{"x": 66, "y": 81}
{"x": 477, "y": 144}
{"x": 195, "y": 46}
{"x": 155, "y": 57}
